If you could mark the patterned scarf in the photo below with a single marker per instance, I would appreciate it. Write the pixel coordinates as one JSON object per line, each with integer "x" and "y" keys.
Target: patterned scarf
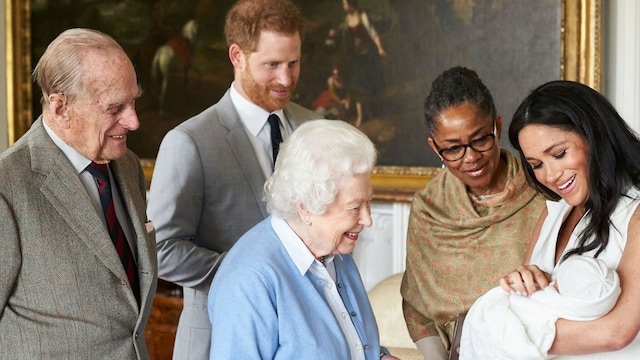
{"x": 458, "y": 246}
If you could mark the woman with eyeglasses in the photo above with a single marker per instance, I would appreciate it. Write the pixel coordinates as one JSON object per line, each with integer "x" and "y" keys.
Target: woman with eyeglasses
{"x": 469, "y": 225}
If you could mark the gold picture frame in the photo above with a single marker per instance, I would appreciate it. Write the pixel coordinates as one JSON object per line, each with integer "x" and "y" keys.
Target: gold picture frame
{"x": 579, "y": 61}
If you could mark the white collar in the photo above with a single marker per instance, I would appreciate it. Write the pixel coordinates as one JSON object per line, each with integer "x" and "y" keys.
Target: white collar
{"x": 297, "y": 250}
{"x": 78, "y": 161}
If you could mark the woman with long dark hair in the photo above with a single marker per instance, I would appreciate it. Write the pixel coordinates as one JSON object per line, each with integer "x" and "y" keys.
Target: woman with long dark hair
{"x": 583, "y": 157}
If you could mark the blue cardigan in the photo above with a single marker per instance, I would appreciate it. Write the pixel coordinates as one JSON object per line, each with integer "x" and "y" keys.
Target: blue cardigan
{"x": 260, "y": 307}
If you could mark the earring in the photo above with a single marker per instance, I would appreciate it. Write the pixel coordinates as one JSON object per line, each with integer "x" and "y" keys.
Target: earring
{"x": 308, "y": 223}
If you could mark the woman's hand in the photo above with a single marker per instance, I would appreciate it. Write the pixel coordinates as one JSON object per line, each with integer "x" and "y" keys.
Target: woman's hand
{"x": 525, "y": 280}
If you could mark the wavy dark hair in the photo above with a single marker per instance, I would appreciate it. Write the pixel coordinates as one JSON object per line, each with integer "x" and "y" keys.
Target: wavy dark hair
{"x": 456, "y": 86}
{"x": 613, "y": 165}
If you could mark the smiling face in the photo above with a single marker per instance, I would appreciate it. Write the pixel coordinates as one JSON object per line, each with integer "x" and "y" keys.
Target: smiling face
{"x": 461, "y": 124}
{"x": 559, "y": 160}
{"x": 337, "y": 229}
{"x": 98, "y": 122}
{"x": 268, "y": 76}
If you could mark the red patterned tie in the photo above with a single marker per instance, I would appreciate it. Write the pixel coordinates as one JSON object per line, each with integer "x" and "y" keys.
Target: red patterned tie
{"x": 101, "y": 173}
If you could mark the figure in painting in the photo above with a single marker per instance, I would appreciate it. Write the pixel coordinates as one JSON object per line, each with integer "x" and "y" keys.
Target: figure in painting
{"x": 175, "y": 54}
{"x": 362, "y": 51}
{"x": 333, "y": 102}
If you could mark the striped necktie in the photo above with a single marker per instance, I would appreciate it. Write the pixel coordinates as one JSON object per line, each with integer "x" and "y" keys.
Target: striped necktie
{"x": 101, "y": 174}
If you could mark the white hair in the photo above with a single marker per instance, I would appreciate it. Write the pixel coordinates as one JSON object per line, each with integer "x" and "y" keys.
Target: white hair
{"x": 313, "y": 164}
{"x": 60, "y": 69}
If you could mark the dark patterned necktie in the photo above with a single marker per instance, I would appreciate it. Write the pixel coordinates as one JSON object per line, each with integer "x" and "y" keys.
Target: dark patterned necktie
{"x": 101, "y": 173}
{"x": 276, "y": 136}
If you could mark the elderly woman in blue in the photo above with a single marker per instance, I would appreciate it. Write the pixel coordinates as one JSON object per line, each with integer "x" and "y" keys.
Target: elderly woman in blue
{"x": 289, "y": 288}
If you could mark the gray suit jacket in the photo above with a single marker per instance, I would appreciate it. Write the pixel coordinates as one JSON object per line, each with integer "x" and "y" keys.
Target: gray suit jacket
{"x": 205, "y": 193}
{"x": 63, "y": 289}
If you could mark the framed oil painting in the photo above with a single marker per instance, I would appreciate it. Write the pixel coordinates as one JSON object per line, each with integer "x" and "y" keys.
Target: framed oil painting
{"x": 347, "y": 74}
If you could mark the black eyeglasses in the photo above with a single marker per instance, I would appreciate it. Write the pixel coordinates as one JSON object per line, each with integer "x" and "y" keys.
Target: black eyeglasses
{"x": 457, "y": 152}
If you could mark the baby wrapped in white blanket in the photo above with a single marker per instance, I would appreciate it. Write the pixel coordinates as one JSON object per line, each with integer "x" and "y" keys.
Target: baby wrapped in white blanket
{"x": 500, "y": 325}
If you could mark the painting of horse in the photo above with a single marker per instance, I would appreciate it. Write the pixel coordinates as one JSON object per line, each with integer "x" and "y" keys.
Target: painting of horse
{"x": 175, "y": 55}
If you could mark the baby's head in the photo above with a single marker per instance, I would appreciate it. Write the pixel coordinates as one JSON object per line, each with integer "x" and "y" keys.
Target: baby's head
{"x": 585, "y": 277}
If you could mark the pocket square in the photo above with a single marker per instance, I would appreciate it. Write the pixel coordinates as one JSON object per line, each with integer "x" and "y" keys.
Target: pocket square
{"x": 149, "y": 226}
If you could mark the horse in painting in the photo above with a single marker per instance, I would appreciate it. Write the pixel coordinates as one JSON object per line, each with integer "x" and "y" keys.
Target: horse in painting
{"x": 176, "y": 54}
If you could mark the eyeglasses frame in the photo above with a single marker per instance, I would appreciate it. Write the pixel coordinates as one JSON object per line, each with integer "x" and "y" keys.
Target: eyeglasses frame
{"x": 468, "y": 145}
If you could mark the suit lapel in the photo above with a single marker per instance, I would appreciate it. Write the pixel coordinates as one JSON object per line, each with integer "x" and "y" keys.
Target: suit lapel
{"x": 290, "y": 117}
{"x": 79, "y": 214}
{"x": 242, "y": 149}
{"x": 62, "y": 187}
{"x": 134, "y": 204}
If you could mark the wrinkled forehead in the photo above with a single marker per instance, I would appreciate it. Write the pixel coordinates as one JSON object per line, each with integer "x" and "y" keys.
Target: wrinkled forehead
{"x": 107, "y": 71}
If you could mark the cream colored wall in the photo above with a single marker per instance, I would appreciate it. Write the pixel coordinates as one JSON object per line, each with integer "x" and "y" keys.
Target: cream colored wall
{"x": 621, "y": 53}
